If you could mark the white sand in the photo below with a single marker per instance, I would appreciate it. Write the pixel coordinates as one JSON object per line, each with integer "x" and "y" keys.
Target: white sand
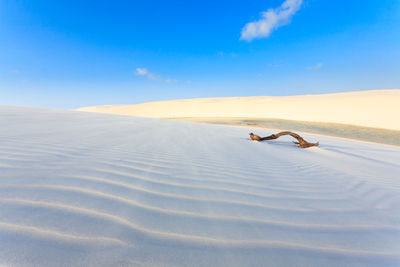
{"x": 84, "y": 189}
{"x": 378, "y": 108}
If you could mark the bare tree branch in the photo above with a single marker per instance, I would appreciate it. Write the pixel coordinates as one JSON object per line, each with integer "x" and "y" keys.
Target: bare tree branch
{"x": 301, "y": 142}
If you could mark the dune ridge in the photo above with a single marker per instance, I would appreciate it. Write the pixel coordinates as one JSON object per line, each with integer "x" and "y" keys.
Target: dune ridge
{"x": 374, "y": 108}
{"x": 80, "y": 188}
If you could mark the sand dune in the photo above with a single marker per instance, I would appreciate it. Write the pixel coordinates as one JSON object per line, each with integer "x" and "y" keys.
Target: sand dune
{"x": 85, "y": 189}
{"x": 378, "y": 108}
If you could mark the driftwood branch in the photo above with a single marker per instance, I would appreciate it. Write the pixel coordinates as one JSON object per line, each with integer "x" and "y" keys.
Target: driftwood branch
{"x": 301, "y": 142}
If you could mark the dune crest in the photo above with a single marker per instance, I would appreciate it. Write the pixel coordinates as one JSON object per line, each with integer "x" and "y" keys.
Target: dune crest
{"x": 375, "y": 108}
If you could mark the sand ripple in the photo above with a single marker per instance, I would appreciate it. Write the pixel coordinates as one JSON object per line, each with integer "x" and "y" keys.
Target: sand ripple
{"x": 87, "y": 189}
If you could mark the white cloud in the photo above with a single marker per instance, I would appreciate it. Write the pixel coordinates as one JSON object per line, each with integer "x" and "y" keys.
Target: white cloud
{"x": 145, "y": 72}
{"x": 316, "y": 67}
{"x": 168, "y": 80}
{"x": 275, "y": 65}
{"x": 223, "y": 54}
{"x": 271, "y": 20}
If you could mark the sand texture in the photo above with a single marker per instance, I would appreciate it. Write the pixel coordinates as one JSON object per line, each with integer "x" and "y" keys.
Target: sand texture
{"x": 369, "y": 134}
{"x": 378, "y": 108}
{"x": 89, "y": 189}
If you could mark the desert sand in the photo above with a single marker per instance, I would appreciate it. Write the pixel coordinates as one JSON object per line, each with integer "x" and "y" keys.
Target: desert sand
{"x": 377, "y": 108}
{"x": 89, "y": 189}
{"x": 348, "y": 131}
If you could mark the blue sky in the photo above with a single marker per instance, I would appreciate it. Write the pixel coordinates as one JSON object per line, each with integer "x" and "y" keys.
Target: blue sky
{"x": 68, "y": 54}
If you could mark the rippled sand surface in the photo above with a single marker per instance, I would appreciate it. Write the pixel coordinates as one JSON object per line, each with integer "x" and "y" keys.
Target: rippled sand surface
{"x": 87, "y": 189}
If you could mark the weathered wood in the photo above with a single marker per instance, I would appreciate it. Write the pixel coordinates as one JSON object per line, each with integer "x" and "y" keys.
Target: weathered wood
{"x": 301, "y": 142}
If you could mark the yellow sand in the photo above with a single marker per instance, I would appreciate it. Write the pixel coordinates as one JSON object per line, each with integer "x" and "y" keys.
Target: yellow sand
{"x": 377, "y": 108}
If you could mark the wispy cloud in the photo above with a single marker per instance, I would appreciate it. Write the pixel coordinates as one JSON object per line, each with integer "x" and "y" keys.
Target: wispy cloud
{"x": 275, "y": 65}
{"x": 222, "y": 54}
{"x": 168, "y": 80}
{"x": 145, "y": 72}
{"x": 316, "y": 67}
{"x": 271, "y": 20}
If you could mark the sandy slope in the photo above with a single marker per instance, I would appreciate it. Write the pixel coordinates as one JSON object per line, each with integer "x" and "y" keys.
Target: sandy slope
{"x": 379, "y": 108}
{"x": 82, "y": 189}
